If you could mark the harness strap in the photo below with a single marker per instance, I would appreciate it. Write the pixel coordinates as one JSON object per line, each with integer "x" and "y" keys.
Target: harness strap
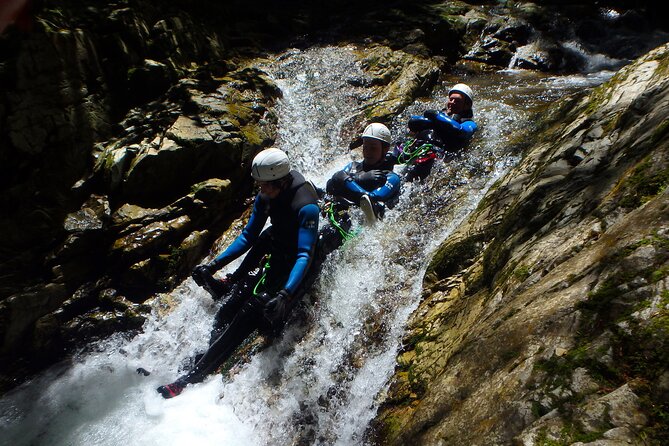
{"x": 344, "y": 233}
{"x": 408, "y": 156}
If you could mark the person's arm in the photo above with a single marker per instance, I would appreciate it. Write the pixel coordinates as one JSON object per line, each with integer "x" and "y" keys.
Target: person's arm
{"x": 464, "y": 130}
{"x": 306, "y": 241}
{"x": 419, "y": 123}
{"x": 388, "y": 190}
{"x": 246, "y": 239}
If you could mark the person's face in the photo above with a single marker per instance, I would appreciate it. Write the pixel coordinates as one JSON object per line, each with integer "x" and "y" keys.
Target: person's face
{"x": 269, "y": 189}
{"x": 372, "y": 150}
{"x": 457, "y": 103}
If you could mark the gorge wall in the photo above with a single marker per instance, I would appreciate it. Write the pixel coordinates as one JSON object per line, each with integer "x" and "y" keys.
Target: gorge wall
{"x": 126, "y": 134}
{"x": 545, "y": 316}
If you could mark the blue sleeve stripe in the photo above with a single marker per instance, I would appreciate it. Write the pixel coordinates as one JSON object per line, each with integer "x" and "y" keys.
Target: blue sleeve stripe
{"x": 469, "y": 127}
{"x": 389, "y": 189}
{"x": 354, "y": 187}
{"x": 246, "y": 239}
{"x": 306, "y": 243}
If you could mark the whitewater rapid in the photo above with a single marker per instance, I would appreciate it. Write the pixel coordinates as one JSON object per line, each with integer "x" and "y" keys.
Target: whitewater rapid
{"x": 321, "y": 382}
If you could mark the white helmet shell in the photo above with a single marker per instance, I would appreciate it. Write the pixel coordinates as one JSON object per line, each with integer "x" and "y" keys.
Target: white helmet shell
{"x": 269, "y": 165}
{"x": 464, "y": 89}
{"x": 378, "y": 131}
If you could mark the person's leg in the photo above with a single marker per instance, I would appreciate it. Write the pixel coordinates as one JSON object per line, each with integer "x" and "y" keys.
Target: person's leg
{"x": 419, "y": 171}
{"x": 241, "y": 326}
{"x": 240, "y": 294}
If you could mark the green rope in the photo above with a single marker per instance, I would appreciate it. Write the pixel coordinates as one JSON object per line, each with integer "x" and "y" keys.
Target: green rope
{"x": 408, "y": 156}
{"x": 345, "y": 235}
{"x": 264, "y": 275}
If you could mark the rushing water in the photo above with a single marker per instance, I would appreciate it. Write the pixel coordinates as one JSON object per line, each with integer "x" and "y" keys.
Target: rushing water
{"x": 321, "y": 381}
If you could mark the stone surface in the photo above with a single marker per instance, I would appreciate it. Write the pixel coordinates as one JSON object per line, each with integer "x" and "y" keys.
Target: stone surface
{"x": 564, "y": 340}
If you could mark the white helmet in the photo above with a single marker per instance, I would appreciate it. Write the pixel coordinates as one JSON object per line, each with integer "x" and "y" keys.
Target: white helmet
{"x": 465, "y": 90}
{"x": 269, "y": 165}
{"x": 378, "y": 131}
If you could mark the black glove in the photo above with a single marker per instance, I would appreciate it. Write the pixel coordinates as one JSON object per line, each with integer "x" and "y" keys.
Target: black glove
{"x": 275, "y": 309}
{"x": 431, "y": 114}
{"x": 202, "y": 274}
{"x": 373, "y": 176}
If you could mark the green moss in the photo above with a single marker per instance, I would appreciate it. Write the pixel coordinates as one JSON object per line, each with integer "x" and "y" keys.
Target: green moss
{"x": 391, "y": 426}
{"x": 569, "y": 434}
{"x": 660, "y": 132}
{"x": 643, "y": 184}
{"x": 659, "y": 274}
{"x": 521, "y": 273}
{"x": 416, "y": 382}
{"x": 452, "y": 258}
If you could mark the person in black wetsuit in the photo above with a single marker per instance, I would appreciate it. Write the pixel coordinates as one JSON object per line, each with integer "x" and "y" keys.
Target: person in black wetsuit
{"x": 371, "y": 184}
{"x": 446, "y": 131}
{"x": 260, "y": 298}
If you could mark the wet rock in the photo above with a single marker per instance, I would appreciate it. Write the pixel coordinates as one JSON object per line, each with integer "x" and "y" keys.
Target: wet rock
{"x": 148, "y": 81}
{"x": 22, "y": 310}
{"x": 397, "y": 78}
{"x": 587, "y": 299}
{"x": 620, "y": 408}
{"x": 492, "y": 51}
{"x": 150, "y": 238}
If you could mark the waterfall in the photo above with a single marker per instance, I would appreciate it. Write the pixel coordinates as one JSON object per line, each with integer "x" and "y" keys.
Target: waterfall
{"x": 319, "y": 383}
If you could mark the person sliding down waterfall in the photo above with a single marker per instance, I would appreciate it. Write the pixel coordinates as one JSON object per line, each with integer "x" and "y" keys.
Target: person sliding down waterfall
{"x": 371, "y": 184}
{"x": 260, "y": 298}
{"x": 445, "y": 133}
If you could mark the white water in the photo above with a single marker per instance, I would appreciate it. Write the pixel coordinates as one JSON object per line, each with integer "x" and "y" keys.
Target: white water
{"x": 319, "y": 383}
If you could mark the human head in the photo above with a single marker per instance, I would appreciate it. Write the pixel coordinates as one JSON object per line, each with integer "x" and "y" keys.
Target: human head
{"x": 460, "y": 99}
{"x": 375, "y": 142}
{"x": 271, "y": 169}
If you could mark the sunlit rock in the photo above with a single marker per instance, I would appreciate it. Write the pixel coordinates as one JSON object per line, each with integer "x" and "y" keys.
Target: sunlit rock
{"x": 468, "y": 371}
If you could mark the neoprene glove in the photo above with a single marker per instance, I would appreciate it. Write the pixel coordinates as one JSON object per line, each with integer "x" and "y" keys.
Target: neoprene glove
{"x": 373, "y": 176}
{"x": 275, "y": 308}
{"x": 201, "y": 273}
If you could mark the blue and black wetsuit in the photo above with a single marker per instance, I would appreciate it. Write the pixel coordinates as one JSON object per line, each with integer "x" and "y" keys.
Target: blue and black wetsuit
{"x": 290, "y": 240}
{"x": 453, "y": 133}
{"x": 290, "y": 243}
{"x": 351, "y": 183}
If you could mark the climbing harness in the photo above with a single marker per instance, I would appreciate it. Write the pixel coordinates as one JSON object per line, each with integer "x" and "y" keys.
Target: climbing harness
{"x": 263, "y": 276}
{"x": 345, "y": 235}
{"x": 410, "y": 154}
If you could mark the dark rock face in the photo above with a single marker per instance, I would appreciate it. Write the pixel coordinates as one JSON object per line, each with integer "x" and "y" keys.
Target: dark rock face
{"x": 559, "y": 38}
{"x": 108, "y": 204}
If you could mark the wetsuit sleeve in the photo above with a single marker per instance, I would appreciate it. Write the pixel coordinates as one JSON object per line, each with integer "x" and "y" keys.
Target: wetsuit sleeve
{"x": 465, "y": 130}
{"x": 469, "y": 127}
{"x": 388, "y": 190}
{"x": 351, "y": 185}
{"x": 419, "y": 123}
{"x": 306, "y": 242}
{"x": 246, "y": 239}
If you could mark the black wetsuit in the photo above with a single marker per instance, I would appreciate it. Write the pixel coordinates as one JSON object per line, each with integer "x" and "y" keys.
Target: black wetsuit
{"x": 448, "y": 134}
{"x": 290, "y": 247}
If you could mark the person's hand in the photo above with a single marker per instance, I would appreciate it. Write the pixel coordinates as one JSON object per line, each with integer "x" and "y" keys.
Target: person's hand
{"x": 275, "y": 308}
{"x": 431, "y": 114}
{"x": 373, "y": 176}
{"x": 201, "y": 273}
